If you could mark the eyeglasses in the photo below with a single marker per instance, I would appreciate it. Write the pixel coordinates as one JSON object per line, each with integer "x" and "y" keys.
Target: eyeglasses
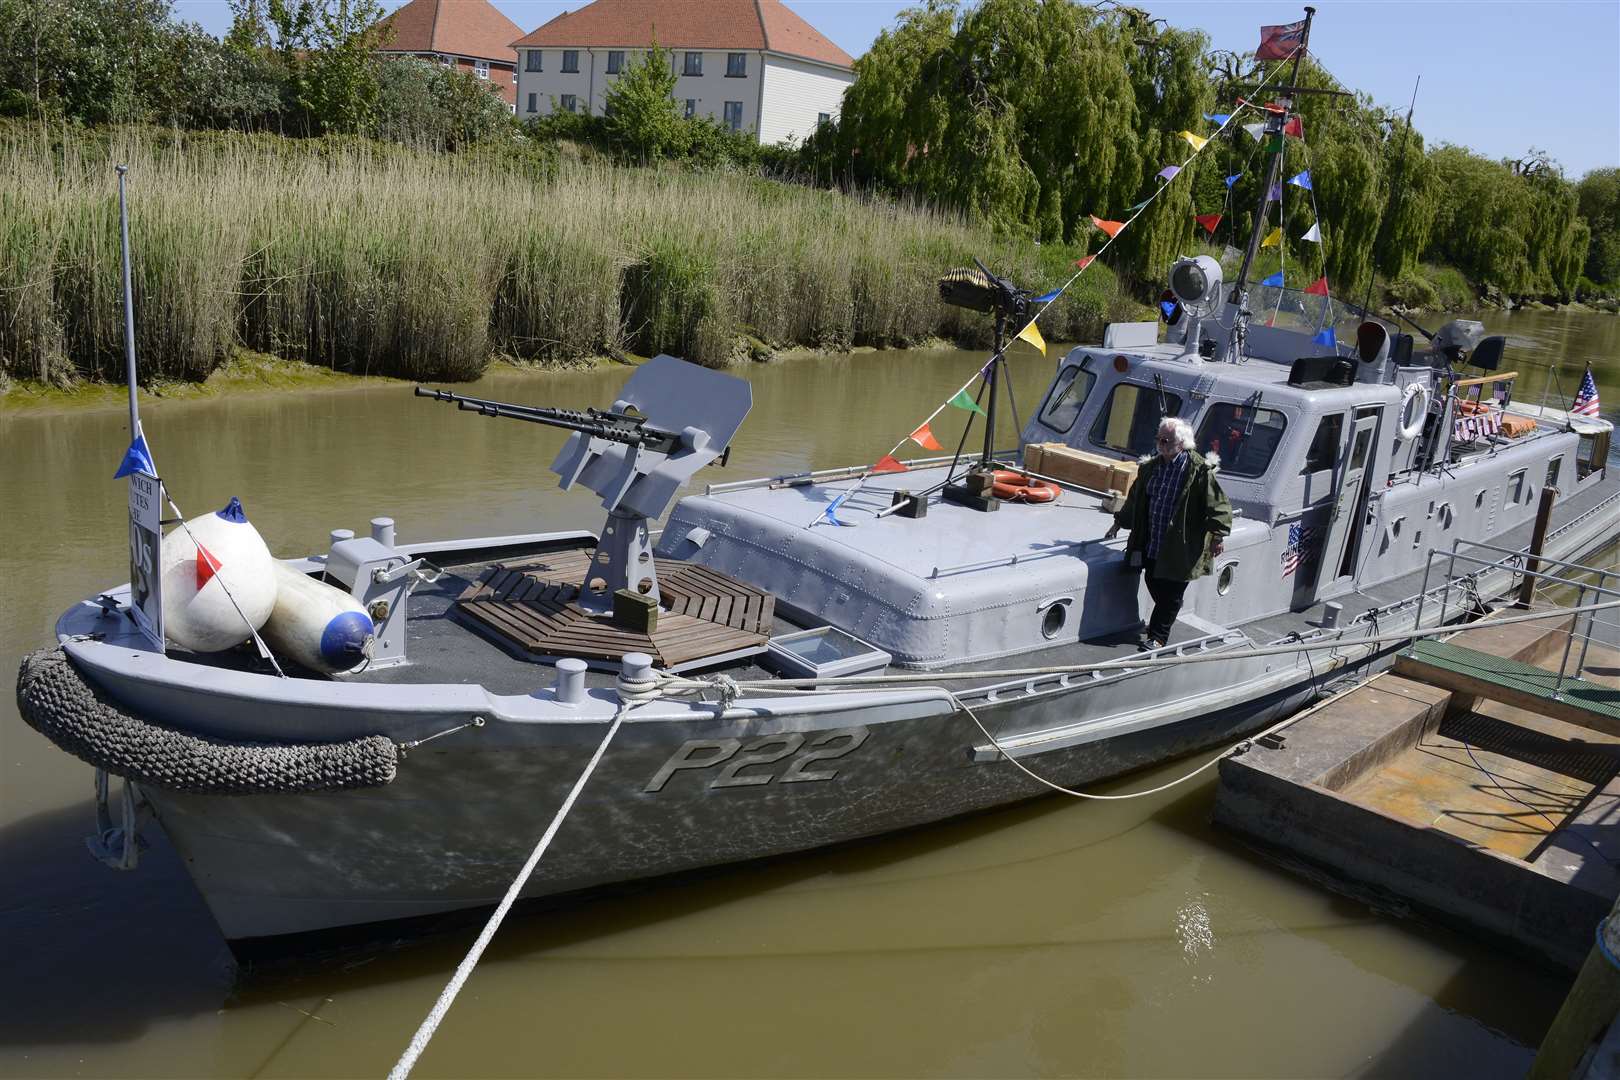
{"x": 1165, "y": 440}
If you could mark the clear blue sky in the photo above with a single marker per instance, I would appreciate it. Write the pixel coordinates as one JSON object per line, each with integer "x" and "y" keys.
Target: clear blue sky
{"x": 1500, "y": 77}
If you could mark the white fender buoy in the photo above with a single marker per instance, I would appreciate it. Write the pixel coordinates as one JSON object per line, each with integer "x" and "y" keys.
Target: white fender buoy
{"x": 313, "y": 624}
{"x": 197, "y": 612}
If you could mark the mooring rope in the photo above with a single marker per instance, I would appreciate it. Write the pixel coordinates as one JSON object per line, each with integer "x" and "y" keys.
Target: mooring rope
{"x": 430, "y": 1024}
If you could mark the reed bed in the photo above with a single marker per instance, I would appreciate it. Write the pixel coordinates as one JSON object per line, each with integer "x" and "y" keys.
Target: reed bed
{"x": 369, "y": 259}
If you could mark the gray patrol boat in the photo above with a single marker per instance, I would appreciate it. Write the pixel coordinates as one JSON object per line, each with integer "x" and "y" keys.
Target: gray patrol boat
{"x": 799, "y": 661}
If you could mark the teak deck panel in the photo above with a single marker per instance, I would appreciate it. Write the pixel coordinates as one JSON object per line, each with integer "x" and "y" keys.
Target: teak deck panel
{"x": 703, "y": 612}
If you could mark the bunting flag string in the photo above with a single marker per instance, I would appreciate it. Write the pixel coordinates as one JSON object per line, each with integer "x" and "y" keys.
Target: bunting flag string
{"x": 1168, "y": 173}
{"x": 1314, "y": 233}
{"x": 1210, "y": 222}
{"x": 1319, "y": 287}
{"x": 1230, "y": 180}
{"x": 1273, "y": 238}
{"x": 1219, "y": 119}
{"x": 1302, "y": 180}
{"x": 924, "y": 437}
{"x": 1032, "y": 334}
{"x": 1326, "y": 337}
{"x": 1275, "y": 281}
{"x": 1047, "y": 299}
{"x": 1294, "y": 127}
{"x": 923, "y": 434}
{"x": 1256, "y": 131}
{"x": 136, "y": 459}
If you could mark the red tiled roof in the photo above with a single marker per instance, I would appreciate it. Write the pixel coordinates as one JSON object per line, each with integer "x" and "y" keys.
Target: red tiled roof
{"x": 688, "y": 24}
{"x": 457, "y": 27}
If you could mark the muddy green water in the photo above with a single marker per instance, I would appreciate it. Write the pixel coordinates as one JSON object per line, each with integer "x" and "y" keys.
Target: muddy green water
{"x": 1055, "y": 938}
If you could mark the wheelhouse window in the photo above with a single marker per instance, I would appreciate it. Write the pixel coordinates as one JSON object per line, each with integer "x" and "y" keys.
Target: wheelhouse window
{"x": 693, "y": 64}
{"x": 1067, "y": 395}
{"x": 570, "y": 60}
{"x": 1130, "y": 420}
{"x": 1324, "y": 451}
{"x": 531, "y": 60}
{"x": 736, "y": 65}
{"x": 1245, "y": 437}
{"x": 615, "y": 61}
{"x": 734, "y": 115}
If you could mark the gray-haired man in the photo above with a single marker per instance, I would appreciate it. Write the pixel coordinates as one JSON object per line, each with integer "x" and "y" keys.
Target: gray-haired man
{"x": 1178, "y": 518}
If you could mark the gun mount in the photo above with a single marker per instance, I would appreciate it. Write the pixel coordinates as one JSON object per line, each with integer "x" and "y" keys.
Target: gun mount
{"x": 671, "y": 419}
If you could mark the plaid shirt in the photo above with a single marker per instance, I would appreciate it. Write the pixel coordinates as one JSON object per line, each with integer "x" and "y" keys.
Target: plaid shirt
{"x": 1163, "y": 487}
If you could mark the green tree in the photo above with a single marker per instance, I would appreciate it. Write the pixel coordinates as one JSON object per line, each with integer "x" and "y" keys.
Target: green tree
{"x": 1598, "y": 200}
{"x": 327, "y": 48}
{"x": 641, "y": 121}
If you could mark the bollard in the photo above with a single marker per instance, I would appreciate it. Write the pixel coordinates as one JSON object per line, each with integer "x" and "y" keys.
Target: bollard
{"x": 570, "y": 684}
{"x": 382, "y": 531}
{"x": 340, "y": 535}
{"x": 636, "y": 667}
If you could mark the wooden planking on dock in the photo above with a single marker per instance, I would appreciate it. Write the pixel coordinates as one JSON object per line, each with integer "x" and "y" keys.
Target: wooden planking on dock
{"x": 705, "y": 613}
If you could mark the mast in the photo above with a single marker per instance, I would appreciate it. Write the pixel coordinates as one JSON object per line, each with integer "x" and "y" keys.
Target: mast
{"x": 1275, "y": 122}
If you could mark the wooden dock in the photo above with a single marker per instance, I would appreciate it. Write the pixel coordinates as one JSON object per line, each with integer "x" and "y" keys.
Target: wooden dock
{"x": 1470, "y": 782}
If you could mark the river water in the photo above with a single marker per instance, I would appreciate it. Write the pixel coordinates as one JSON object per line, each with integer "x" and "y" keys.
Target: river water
{"x": 1054, "y": 938}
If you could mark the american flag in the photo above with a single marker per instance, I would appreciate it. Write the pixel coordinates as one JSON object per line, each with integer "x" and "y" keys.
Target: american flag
{"x": 1586, "y": 398}
{"x": 1300, "y": 542}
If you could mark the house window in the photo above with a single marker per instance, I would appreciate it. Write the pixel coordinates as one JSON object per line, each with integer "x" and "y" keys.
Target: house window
{"x": 691, "y": 108}
{"x": 822, "y": 118}
{"x": 570, "y": 60}
{"x": 736, "y": 65}
{"x": 694, "y": 64}
{"x": 734, "y": 115}
{"x": 447, "y": 61}
{"x": 531, "y": 61}
{"x": 481, "y": 68}
{"x": 534, "y": 102}
{"x": 615, "y": 61}
{"x": 570, "y": 103}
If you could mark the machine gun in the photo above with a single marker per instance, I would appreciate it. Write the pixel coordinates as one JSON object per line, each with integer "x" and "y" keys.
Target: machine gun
{"x": 980, "y": 290}
{"x": 627, "y": 428}
{"x": 670, "y": 419}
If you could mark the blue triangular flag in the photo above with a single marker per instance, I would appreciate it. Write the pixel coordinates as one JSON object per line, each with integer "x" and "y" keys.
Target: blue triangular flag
{"x": 1275, "y": 195}
{"x": 1275, "y": 280}
{"x": 830, "y": 513}
{"x": 1302, "y": 180}
{"x": 1326, "y": 338}
{"x": 1168, "y": 173}
{"x": 137, "y": 459}
{"x": 1168, "y": 307}
{"x": 1138, "y": 206}
{"x": 1049, "y": 297}
{"x": 1219, "y": 118}
{"x": 1230, "y": 180}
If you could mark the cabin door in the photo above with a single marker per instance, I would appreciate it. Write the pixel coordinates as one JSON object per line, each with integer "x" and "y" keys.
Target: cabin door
{"x": 1350, "y": 508}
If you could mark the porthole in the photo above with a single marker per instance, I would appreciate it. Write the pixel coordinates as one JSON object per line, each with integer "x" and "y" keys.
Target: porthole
{"x": 1054, "y": 617}
{"x": 1223, "y": 580}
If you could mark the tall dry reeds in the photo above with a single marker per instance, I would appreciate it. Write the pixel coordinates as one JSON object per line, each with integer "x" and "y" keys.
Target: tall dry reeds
{"x": 372, "y": 259}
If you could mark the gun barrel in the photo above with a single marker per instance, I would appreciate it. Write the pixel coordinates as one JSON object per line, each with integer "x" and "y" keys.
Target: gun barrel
{"x": 626, "y": 430}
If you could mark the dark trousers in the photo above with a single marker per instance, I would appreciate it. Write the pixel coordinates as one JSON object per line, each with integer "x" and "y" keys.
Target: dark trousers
{"x": 1167, "y": 596}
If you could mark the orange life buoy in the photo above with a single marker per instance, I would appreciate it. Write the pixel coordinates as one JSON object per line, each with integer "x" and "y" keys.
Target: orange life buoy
{"x": 1017, "y": 487}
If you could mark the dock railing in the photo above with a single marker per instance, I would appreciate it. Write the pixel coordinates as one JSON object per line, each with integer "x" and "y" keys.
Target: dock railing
{"x": 1551, "y": 576}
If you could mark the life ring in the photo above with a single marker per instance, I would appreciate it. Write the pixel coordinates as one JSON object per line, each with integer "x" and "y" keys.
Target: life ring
{"x": 1017, "y": 487}
{"x": 1411, "y": 427}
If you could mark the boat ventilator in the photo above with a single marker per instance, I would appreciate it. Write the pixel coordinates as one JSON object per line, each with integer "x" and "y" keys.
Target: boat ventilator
{"x": 57, "y": 702}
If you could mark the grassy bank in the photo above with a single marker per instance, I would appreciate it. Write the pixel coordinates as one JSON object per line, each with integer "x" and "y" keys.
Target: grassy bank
{"x": 372, "y": 260}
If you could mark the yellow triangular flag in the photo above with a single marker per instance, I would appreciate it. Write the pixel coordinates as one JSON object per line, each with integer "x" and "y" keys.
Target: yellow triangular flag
{"x": 1197, "y": 141}
{"x": 1273, "y": 238}
{"x": 1032, "y": 334}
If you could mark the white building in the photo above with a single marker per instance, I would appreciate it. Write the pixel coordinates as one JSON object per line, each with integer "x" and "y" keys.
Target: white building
{"x": 752, "y": 65}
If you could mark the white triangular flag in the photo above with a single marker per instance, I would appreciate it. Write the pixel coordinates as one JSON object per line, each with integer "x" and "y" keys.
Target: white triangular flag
{"x": 1313, "y": 234}
{"x": 1255, "y": 130}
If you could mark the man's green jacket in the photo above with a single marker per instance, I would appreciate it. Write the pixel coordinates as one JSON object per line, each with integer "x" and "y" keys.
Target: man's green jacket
{"x": 1202, "y": 516}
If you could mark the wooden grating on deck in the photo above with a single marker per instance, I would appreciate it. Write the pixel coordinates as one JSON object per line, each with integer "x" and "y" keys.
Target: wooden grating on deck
{"x": 705, "y": 613}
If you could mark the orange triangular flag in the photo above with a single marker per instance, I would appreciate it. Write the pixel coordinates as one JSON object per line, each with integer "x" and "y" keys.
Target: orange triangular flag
{"x": 1319, "y": 287}
{"x": 888, "y": 463}
{"x": 1084, "y": 261}
{"x": 207, "y": 566}
{"x": 924, "y": 437}
{"x": 1110, "y": 227}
